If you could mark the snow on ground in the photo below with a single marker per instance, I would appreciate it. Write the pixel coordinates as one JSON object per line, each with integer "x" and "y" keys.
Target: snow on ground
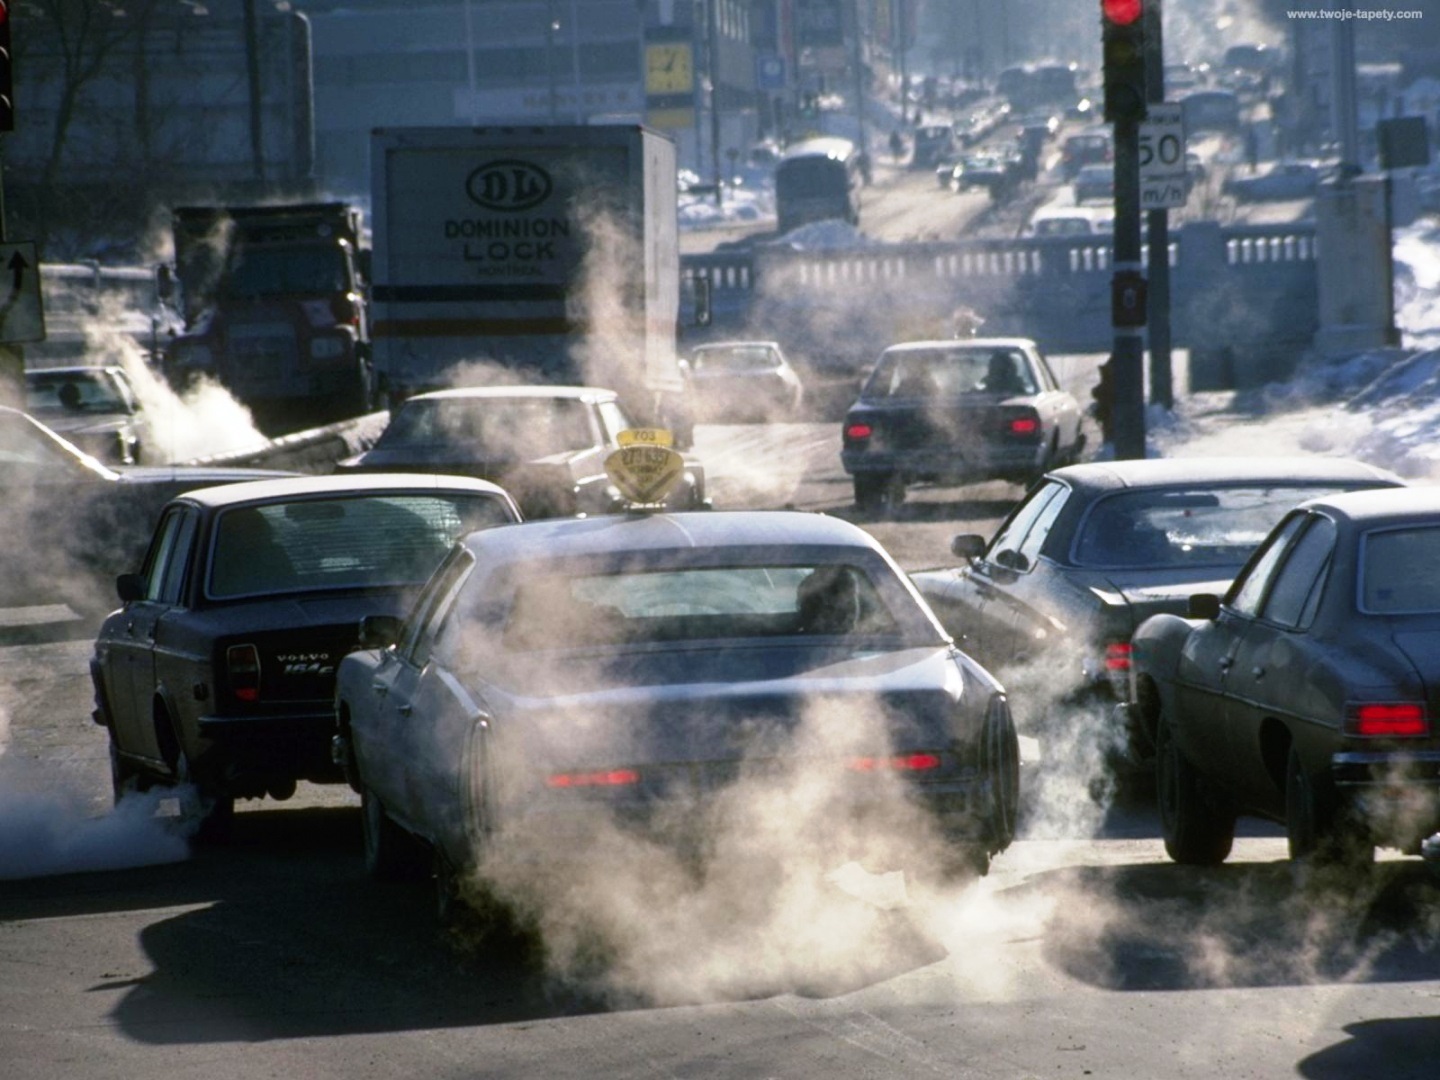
{"x": 1381, "y": 406}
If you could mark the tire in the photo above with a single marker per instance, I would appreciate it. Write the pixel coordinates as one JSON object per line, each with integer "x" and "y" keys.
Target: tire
{"x": 878, "y": 492}
{"x": 1316, "y": 834}
{"x": 391, "y": 853}
{"x": 206, "y": 810}
{"x": 1197, "y": 831}
{"x": 1000, "y": 762}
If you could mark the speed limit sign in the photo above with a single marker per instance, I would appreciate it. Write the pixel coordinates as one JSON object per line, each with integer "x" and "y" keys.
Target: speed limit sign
{"x": 1163, "y": 173}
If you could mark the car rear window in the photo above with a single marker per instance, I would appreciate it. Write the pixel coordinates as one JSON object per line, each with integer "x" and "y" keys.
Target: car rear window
{"x": 355, "y": 541}
{"x": 517, "y": 428}
{"x": 1400, "y": 571}
{"x": 1184, "y": 527}
{"x": 705, "y": 603}
{"x": 951, "y": 372}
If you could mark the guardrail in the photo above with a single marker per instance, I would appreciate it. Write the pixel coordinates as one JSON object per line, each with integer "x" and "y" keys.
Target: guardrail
{"x": 1245, "y": 293}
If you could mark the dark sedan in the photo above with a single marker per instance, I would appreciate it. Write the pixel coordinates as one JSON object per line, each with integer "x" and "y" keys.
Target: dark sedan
{"x": 952, "y": 410}
{"x": 660, "y": 676}
{"x": 546, "y": 445}
{"x": 1309, "y": 694}
{"x": 1094, "y": 549}
{"x": 218, "y": 674}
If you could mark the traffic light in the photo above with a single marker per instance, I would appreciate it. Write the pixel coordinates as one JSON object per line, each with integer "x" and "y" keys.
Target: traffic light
{"x": 7, "y": 93}
{"x": 1123, "y": 37}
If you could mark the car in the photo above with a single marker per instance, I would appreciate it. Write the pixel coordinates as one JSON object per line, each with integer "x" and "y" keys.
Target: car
{"x": 1281, "y": 182}
{"x": 643, "y": 673}
{"x": 1072, "y": 221}
{"x": 546, "y": 445}
{"x": 949, "y": 410}
{"x": 1085, "y": 148}
{"x": 94, "y": 407}
{"x": 997, "y": 171}
{"x": 70, "y": 523}
{"x": 931, "y": 143}
{"x": 1096, "y": 548}
{"x": 744, "y": 380}
{"x": 1094, "y": 183}
{"x": 217, "y": 676}
{"x": 1307, "y": 694}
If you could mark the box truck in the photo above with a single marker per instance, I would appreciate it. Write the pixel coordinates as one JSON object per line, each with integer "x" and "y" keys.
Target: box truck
{"x": 541, "y": 254}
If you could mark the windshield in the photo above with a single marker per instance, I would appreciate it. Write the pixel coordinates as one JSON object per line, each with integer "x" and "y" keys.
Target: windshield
{"x": 74, "y": 391}
{"x": 1184, "y": 527}
{"x": 283, "y": 271}
{"x": 512, "y": 428}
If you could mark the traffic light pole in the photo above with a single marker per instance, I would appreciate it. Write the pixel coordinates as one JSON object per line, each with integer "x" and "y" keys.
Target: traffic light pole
{"x": 1157, "y": 230}
{"x": 1127, "y": 314}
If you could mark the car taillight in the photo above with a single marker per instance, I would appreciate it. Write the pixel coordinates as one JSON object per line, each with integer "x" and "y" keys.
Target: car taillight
{"x": 1387, "y": 719}
{"x": 1118, "y": 655}
{"x": 599, "y": 778}
{"x": 858, "y": 431}
{"x": 242, "y": 666}
{"x": 897, "y": 762}
{"x": 1024, "y": 425}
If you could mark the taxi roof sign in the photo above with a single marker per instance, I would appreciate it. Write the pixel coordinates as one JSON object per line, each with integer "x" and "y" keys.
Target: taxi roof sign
{"x": 646, "y": 468}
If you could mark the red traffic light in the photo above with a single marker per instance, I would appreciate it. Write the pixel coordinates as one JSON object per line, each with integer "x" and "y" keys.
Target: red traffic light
{"x": 1122, "y": 12}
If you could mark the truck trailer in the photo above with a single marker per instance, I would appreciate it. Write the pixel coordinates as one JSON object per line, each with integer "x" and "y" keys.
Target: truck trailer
{"x": 539, "y": 254}
{"x": 275, "y": 309}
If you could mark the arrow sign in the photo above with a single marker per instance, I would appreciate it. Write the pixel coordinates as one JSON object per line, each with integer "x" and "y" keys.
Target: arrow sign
{"x": 22, "y": 315}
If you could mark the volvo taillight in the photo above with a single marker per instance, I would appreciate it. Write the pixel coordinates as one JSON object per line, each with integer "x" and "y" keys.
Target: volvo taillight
{"x": 242, "y": 669}
{"x": 1118, "y": 655}
{"x": 858, "y": 431}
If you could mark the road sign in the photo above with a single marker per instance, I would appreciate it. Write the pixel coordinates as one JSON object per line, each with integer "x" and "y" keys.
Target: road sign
{"x": 770, "y": 73}
{"x": 1164, "y": 179}
{"x": 22, "y": 318}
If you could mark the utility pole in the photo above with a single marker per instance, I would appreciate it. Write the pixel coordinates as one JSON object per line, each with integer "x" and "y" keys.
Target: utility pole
{"x": 711, "y": 65}
{"x": 858, "y": 63}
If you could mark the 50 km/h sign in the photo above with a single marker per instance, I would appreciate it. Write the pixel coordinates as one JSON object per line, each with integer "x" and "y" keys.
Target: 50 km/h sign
{"x": 21, "y": 316}
{"x": 1164, "y": 182}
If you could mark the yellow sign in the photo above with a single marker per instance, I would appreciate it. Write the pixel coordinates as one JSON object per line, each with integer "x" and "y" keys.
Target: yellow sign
{"x": 646, "y": 467}
{"x": 670, "y": 119}
{"x": 669, "y": 68}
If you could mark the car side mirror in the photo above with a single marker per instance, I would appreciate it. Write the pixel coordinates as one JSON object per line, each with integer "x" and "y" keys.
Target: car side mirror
{"x": 968, "y": 546}
{"x": 1203, "y": 606}
{"x": 379, "y": 631}
{"x": 129, "y": 587}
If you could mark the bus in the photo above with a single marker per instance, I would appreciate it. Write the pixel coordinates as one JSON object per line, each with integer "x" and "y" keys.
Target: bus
{"x": 818, "y": 180}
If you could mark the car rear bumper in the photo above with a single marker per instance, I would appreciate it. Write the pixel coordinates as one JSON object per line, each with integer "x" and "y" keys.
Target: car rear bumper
{"x": 244, "y": 752}
{"x": 946, "y": 463}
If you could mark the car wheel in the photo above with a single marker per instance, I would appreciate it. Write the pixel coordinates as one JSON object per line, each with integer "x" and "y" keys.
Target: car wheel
{"x": 878, "y": 492}
{"x": 391, "y": 853}
{"x": 1000, "y": 760}
{"x": 1196, "y": 831}
{"x": 209, "y": 812}
{"x": 1315, "y": 833}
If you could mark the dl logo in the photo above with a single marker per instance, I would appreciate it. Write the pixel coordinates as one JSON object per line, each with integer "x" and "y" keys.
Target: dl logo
{"x": 509, "y": 185}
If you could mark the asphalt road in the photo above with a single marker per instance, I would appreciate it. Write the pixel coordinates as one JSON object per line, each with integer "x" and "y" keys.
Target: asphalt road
{"x": 125, "y": 953}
